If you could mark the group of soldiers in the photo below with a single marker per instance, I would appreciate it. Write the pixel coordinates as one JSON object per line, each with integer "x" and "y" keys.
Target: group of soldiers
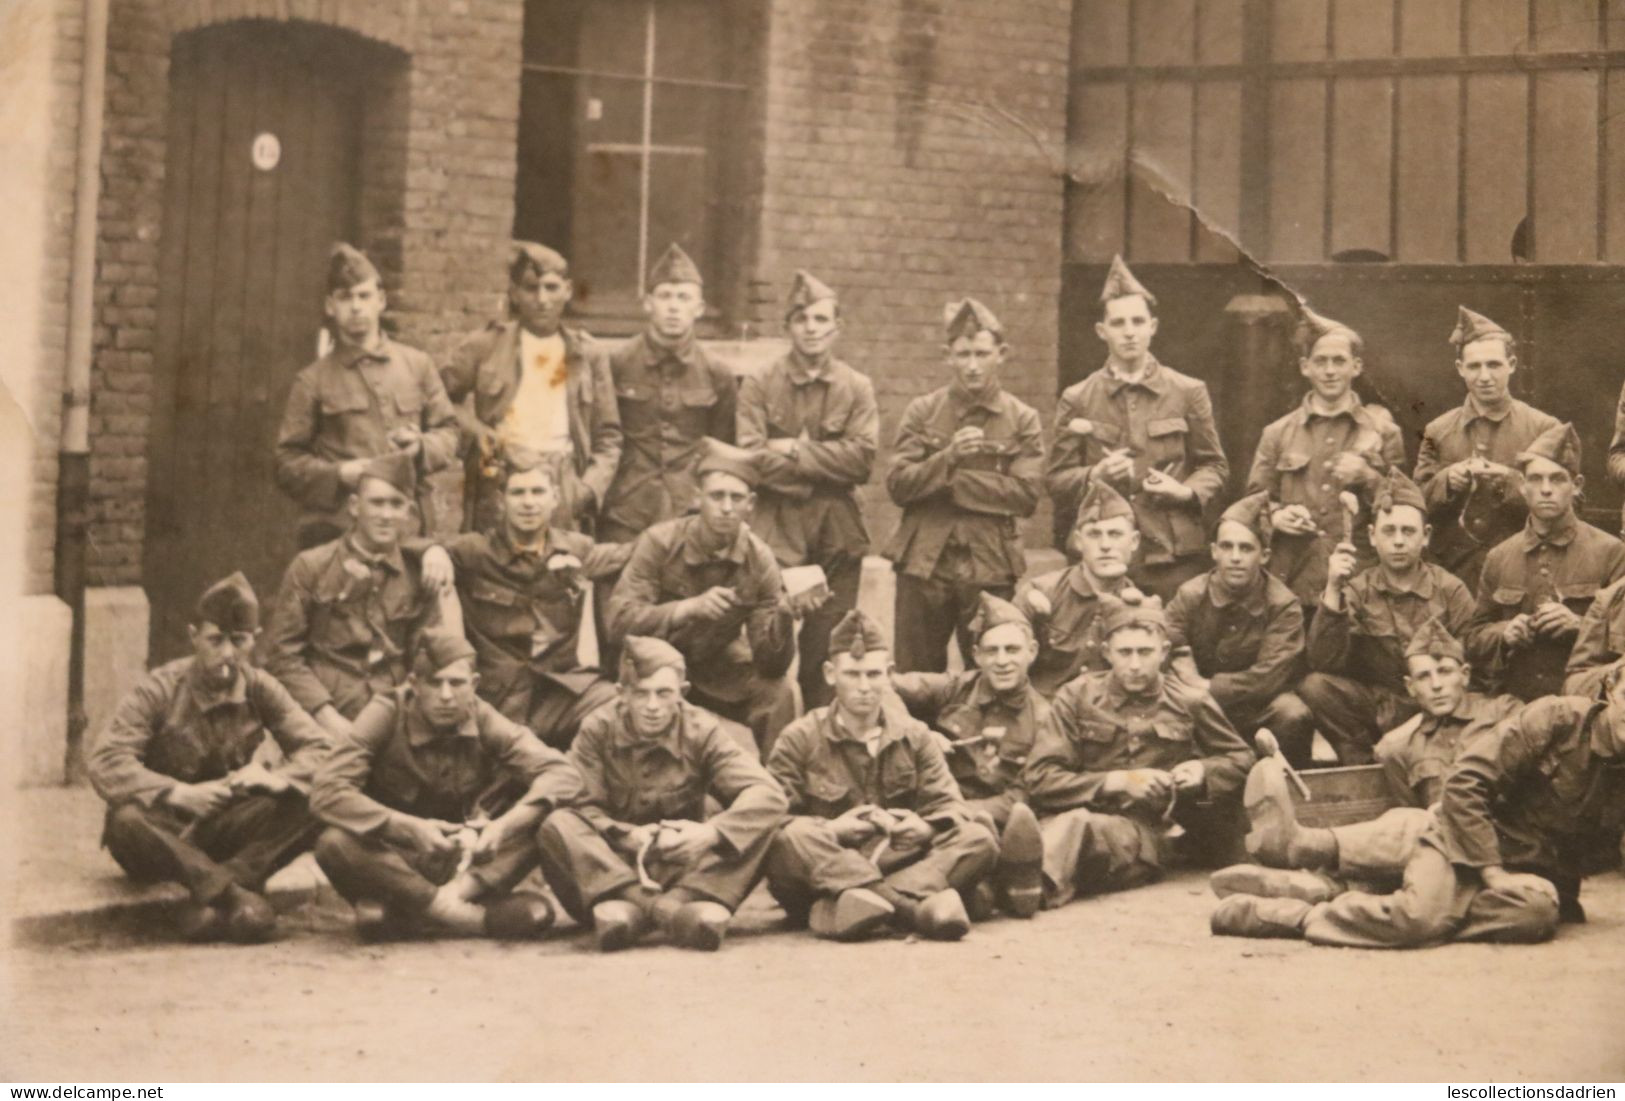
{"x": 434, "y": 715}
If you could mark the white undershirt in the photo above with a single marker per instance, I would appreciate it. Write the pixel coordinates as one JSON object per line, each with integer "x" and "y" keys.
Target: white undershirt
{"x": 540, "y": 415}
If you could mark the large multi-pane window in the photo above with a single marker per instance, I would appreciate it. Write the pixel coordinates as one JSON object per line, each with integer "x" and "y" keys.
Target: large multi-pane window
{"x": 1415, "y": 131}
{"x": 630, "y": 138}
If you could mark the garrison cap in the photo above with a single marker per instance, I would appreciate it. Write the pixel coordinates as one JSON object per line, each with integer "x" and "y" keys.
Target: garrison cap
{"x": 1132, "y": 608}
{"x": 1399, "y": 490}
{"x": 967, "y": 317}
{"x": 805, "y": 289}
{"x": 993, "y": 611}
{"x": 438, "y": 648}
{"x": 1433, "y": 640}
{"x": 529, "y": 256}
{"x": 1101, "y": 502}
{"x": 395, "y": 467}
{"x": 1312, "y": 326}
{"x": 1472, "y": 326}
{"x": 674, "y": 266}
{"x": 642, "y": 657}
{"x": 856, "y": 634}
{"x": 519, "y": 459}
{"x": 725, "y": 458}
{"x": 230, "y": 605}
{"x": 1253, "y": 513}
{"x": 348, "y": 266}
{"x": 1560, "y": 443}
{"x": 1120, "y": 283}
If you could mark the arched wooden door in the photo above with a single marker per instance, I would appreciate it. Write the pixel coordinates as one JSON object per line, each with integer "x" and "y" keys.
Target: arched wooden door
{"x": 262, "y": 176}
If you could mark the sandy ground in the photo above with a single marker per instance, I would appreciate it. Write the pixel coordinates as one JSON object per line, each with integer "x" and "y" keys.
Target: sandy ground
{"x": 1125, "y": 987}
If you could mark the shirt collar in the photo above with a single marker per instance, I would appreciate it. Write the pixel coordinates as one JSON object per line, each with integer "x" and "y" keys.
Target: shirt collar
{"x": 418, "y": 730}
{"x": 207, "y": 697}
{"x": 511, "y": 552}
{"x": 685, "y": 352}
{"x": 1150, "y": 379}
{"x": 992, "y": 400}
{"x": 1422, "y": 585}
{"x": 1083, "y": 583}
{"x": 350, "y": 354}
{"x": 1472, "y": 412}
{"x": 1253, "y": 599}
{"x": 1117, "y": 695}
{"x": 1472, "y": 706}
{"x": 390, "y": 559}
{"x": 802, "y": 375}
{"x": 696, "y": 555}
{"x": 1561, "y": 535}
{"x": 984, "y": 695}
{"x": 670, "y": 739}
{"x": 842, "y": 730}
{"x": 1348, "y": 406}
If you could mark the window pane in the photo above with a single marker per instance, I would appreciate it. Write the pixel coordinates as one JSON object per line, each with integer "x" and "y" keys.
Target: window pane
{"x": 547, "y": 113}
{"x": 609, "y": 110}
{"x": 1164, "y": 32}
{"x": 685, "y": 115}
{"x": 1428, "y": 133}
{"x": 552, "y": 30}
{"x": 1497, "y": 189}
{"x": 1615, "y": 178}
{"x": 1297, "y": 170}
{"x": 1430, "y": 28}
{"x": 604, "y": 243}
{"x": 1099, "y": 33}
{"x": 1298, "y": 30}
{"x": 679, "y": 209}
{"x": 1362, "y": 121}
{"x": 1159, "y": 211}
{"x": 614, "y": 34}
{"x": 1565, "y": 159}
{"x": 1497, "y": 26}
{"x": 1098, "y": 125}
{"x": 1363, "y": 28}
{"x": 1218, "y": 169}
{"x": 689, "y": 39}
{"x": 1566, "y": 25}
{"x": 1218, "y": 37}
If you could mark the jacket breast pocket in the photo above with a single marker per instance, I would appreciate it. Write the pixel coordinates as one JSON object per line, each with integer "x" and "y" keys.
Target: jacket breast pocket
{"x": 339, "y": 402}
{"x": 694, "y": 408}
{"x": 637, "y": 405}
{"x": 1509, "y": 600}
{"x": 1167, "y": 436}
{"x": 498, "y": 611}
{"x": 408, "y": 401}
{"x": 899, "y": 782}
{"x": 828, "y": 796}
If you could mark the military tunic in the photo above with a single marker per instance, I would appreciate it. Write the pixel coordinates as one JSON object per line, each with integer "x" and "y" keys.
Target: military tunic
{"x": 1357, "y": 690}
{"x": 1071, "y": 636}
{"x": 343, "y": 407}
{"x": 343, "y": 624}
{"x": 173, "y": 727}
{"x": 736, "y": 664}
{"x": 1416, "y": 755}
{"x": 488, "y": 365}
{"x": 633, "y": 780}
{"x": 959, "y": 533}
{"x": 1096, "y": 840}
{"x": 1165, "y": 419}
{"x": 1293, "y": 464}
{"x": 395, "y": 763}
{"x": 826, "y": 770}
{"x": 807, "y": 508}
{"x": 524, "y": 620}
{"x": 1599, "y": 645}
{"x": 1467, "y": 524}
{"x": 1568, "y": 564}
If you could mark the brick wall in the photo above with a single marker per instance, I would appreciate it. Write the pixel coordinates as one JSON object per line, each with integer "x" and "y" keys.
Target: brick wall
{"x": 902, "y": 168}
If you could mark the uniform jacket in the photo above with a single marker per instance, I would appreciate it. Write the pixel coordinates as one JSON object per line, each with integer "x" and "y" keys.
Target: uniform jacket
{"x": 487, "y": 365}
{"x": 1165, "y": 419}
{"x": 634, "y": 781}
{"x": 1100, "y": 728}
{"x": 344, "y": 407}
{"x": 173, "y": 727}
{"x": 342, "y": 628}
{"x": 1250, "y": 649}
{"x": 963, "y": 706}
{"x": 1616, "y": 449}
{"x": 670, "y": 400}
{"x": 974, "y": 504}
{"x": 1416, "y": 754}
{"x": 826, "y": 771}
{"x": 395, "y": 762}
{"x": 523, "y": 618}
{"x": 1600, "y": 643}
{"x": 1366, "y": 640}
{"x": 1522, "y": 573}
{"x": 1293, "y": 464}
{"x": 1468, "y": 524}
{"x": 670, "y": 563}
{"x": 1071, "y": 638}
{"x": 1542, "y": 792}
{"x": 807, "y": 508}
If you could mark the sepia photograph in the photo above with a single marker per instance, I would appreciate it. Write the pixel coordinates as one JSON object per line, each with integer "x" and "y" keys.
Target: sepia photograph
{"x": 813, "y": 541}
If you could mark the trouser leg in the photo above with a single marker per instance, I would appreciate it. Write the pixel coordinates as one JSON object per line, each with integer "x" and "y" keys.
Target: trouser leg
{"x": 1525, "y": 912}
{"x": 995, "y": 809}
{"x": 1430, "y": 905}
{"x": 609, "y": 648}
{"x": 579, "y": 864}
{"x": 728, "y": 877}
{"x": 844, "y": 573}
{"x": 371, "y": 868}
{"x": 1377, "y": 851}
{"x": 925, "y": 615}
{"x": 770, "y": 707}
{"x": 1087, "y": 853}
{"x": 958, "y": 857}
{"x": 806, "y": 861}
{"x": 1287, "y": 717}
{"x": 1352, "y": 714}
{"x": 556, "y": 713}
{"x": 148, "y": 845}
{"x": 257, "y": 835}
{"x": 735, "y": 716}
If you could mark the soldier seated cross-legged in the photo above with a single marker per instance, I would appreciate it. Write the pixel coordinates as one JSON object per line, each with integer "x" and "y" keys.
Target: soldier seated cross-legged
{"x": 879, "y": 835}
{"x": 433, "y": 802}
{"x": 1134, "y": 759}
{"x": 639, "y": 853}
{"x": 188, "y": 801}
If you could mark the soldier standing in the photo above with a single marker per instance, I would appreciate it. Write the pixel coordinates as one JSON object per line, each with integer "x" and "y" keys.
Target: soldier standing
{"x": 814, "y": 426}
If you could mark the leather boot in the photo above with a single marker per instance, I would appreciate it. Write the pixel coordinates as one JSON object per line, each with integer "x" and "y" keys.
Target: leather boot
{"x": 1018, "y": 876}
{"x": 851, "y": 915}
